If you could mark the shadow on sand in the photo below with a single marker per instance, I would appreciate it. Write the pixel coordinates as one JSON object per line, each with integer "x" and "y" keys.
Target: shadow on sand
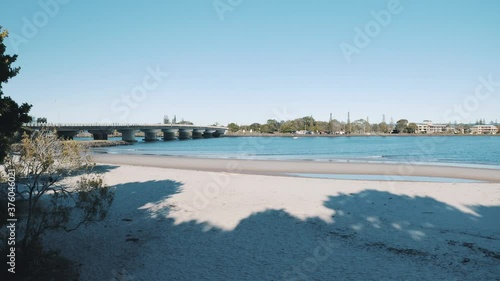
{"x": 374, "y": 236}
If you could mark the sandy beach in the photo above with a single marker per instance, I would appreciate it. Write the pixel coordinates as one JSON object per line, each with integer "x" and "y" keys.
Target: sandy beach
{"x": 202, "y": 219}
{"x": 282, "y": 167}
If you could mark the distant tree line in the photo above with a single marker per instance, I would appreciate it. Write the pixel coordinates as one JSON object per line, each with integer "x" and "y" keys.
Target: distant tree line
{"x": 167, "y": 120}
{"x": 360, "y": 126}
{"x": 309, "y": 124}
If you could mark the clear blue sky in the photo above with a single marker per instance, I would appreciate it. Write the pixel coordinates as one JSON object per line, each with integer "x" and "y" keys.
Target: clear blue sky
{"x": 262, "y": 59}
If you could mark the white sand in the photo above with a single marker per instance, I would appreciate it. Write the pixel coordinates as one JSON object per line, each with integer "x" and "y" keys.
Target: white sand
{"x": 198, "y": 225}
{"x": 274, "y": 167}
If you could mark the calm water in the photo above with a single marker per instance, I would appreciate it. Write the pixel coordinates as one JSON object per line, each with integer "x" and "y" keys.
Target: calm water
{"x": 461, "y": 151}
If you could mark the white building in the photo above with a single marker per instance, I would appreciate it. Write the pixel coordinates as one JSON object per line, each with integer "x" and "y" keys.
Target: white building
{"x": 484, "y": 129}
{"x": 427, "y": 127}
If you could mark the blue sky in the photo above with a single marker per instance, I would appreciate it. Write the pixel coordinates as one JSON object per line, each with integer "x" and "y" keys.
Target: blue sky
{"x": 252, "y": 60}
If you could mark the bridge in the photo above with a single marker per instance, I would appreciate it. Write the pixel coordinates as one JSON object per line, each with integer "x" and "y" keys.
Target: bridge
{"x": 128, "y": 131}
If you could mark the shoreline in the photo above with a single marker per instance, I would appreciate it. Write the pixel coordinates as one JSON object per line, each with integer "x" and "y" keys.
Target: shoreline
{"x": 285, "y": 167}
{"x": 291, "y": 135}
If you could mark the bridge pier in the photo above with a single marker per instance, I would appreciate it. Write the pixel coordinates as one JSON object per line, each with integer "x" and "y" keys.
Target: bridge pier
{"x": 198, "y": 133}
{"x": 128, "y": 135}
{"x": 150, "y": 134}
{"x": 185, "y": 134}
{"x": 218, "y": 133}
{"x": 66, "y": 135}
{"x": 169, "y": 134}
{"x": 208, "y": 133}
{"x": 100, "y": 134}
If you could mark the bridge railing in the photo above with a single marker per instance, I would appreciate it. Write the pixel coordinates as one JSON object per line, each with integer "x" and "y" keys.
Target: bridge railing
{"x": 137, "y": 125}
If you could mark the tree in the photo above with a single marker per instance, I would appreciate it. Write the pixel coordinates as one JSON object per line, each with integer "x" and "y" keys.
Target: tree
{"x": 233, "y": 127}
{"x": 255, "y": 127}
{"x": 384, "y": 128}
{"x": 288, "y": 127}
{"x": 335, "y": 126}
{"x": 166, "y": 120}
{"x": 309, "y": 123}
{"x": 185, "y": 122}
{"x": 273, "y": 125}
{"x": 41, "y": 120}
{"x": 265, "y": 128}
{"x": 401, "y": 125}
{"x": 322, "y": 126}
{"x": 12, "y": 116}
{"x": 46, "y": 202}
{"x": 412, "y": 128}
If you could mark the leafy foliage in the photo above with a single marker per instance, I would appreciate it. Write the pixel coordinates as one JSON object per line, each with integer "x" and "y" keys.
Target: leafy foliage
{"x": 12, "y": 116}
{"x": 233, "y": 127}
{"x": 401, "y": 126}
{"x": 48, "y": 197}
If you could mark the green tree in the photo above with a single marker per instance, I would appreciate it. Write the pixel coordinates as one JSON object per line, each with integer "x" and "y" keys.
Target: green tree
{"x": 288, "y": 127}
{"x": 12, "y": 116}
{"x": 412, "y": 128}
{"x": 322, "y": 126}
{"x": 401, "y": 125}
{"x": 265, "y": 128}
{"x": 185, "y": 122}
{"x": 233, "y": 127}
{"x": 41, "y": 120}
{"x": 255, "y": 127}
{"x": 383, "y": 128}
{"x": 309, "y": 123}
{"x": 335, "y": 126}
{"x": 273, "y": 125}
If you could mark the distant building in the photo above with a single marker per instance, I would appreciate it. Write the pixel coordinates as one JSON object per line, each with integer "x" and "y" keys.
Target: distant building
{"x": 484, "y": 129}
{"x": 427, "y": 127}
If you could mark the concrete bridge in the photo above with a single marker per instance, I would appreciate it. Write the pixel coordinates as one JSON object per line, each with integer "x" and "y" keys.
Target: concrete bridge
{"x": 128, "y": 131}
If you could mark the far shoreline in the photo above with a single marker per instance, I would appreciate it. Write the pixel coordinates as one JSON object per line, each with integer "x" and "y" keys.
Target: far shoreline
{"x": 233, "y": 135}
